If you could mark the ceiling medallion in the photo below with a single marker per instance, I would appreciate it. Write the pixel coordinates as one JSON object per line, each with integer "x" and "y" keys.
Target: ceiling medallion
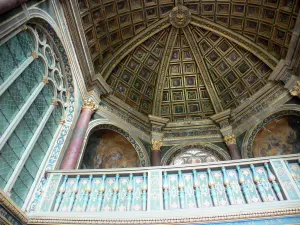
{"x": 180, "y": 16}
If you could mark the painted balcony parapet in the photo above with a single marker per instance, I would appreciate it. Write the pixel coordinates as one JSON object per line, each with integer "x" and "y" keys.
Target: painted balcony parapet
{"x": 261, "y": 184}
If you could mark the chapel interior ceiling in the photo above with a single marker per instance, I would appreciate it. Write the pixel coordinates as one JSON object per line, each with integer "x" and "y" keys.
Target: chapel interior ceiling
{"x": 228, "y": 73}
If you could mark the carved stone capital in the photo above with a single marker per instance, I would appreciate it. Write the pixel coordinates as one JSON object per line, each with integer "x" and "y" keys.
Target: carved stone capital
{"x": 295, "y": 91}
{"x": 90, "y": 105}
{"x": 180, "y": 16}
{"x": 230, "y": 139}
{"x": 156, "y": 145}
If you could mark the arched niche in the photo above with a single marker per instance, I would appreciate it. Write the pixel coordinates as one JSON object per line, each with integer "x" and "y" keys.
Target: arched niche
{"x": 277, "y": 134}
{"x": 194, "y": 153}
{"x": 104, "y": 126}
{"x": 109, "y": 149}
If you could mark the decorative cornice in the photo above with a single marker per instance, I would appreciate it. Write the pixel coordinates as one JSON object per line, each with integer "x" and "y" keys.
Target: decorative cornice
{"x": 262, "y": 54}
{"x": 230, "y": 139}
{"x": 90, "y": 105}
{"x": 12, "y": 207}
{"x": 163, "y": 70}
{"x": 130, "y": 45}
{"x": 204, "y": 71}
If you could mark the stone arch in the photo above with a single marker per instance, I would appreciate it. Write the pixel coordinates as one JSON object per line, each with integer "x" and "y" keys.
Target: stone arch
{"x": 248, "y": 141}
{"x": 109, "y": 125}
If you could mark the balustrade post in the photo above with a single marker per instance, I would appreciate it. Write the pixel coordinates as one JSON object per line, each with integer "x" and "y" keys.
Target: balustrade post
{"x": 244, "y": 186}
{"x": 101, "y": 193}
{"x": 212, "y": 186}
{"x": 62, "y": 190}
{"x": 87, "y": 192}
{"x": 197, "y": 188}
{"x": 228, "y": 186}
{"x": 115, "y": 194}
{"x": 73, "y": 153}
{"x": 181, "y": 189}
{"x": 145, "y": 188}
{"x": 74, "y": 193}
{"x": 166, "y": 190}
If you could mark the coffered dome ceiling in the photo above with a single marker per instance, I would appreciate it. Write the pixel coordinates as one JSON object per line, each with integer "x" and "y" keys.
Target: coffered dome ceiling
{"x": 221, "y": 58}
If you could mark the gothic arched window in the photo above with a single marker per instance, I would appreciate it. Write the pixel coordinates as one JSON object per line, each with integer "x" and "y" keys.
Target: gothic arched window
{"x": 33, "y": 93}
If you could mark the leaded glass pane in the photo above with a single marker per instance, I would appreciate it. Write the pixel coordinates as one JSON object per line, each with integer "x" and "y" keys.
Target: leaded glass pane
{"x": 8, "y": 106}
{"x": 16, "y": 145}
{"x": 27, "y": 42}
{"x": 24, "y": 133}
{"x": 15, "y": 49}
{"x": 16, "y": 198}
{"x": 7, "y": 64}
{"x": 3, "y": 123}
{"x": 8, "y": 161}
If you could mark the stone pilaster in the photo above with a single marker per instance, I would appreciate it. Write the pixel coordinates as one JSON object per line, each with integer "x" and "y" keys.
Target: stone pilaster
{"x": 222, "y": 119}
{"x": 157, "y": 125}
{"x": 74, "y": 150}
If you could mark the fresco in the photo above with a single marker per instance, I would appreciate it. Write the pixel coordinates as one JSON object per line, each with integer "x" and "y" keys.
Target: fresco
{"x": 109, "y": 149}
{"x": 279, "y": 137}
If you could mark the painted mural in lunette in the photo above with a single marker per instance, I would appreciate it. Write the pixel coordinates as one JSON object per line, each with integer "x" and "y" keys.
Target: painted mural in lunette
{"x": 109, "y": 149}
{"x": 280, "y": 136}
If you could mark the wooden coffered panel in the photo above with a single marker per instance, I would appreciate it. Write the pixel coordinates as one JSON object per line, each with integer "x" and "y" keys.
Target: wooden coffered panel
{"x": 235, "y": 72}
{"x": 133, "y": 79}
{"x": 108, "y": 24}
{"x": 269, "y": 23}
{"x": 185, "y": 96}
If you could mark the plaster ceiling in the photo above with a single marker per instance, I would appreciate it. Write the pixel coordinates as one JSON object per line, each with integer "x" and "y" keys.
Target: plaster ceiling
{"x": 189, "y": 73}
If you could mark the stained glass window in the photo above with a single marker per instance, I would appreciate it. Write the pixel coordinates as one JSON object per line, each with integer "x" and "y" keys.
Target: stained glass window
{"x": 37, "y": 95}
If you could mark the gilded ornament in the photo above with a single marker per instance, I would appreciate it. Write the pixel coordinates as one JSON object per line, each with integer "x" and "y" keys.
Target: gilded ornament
{"x": 230, "y": 139}
{"x": 35, "y": 55}
{"x": 180, "y": 16}
{"x": 156, "y": 145}
{"x": 90, "y": 104}
{"x": 295, "y": 91}
{"x": 45, "y": 80}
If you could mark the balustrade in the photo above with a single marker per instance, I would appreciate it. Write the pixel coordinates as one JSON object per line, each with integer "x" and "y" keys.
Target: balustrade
{"x": 227, "y": 184}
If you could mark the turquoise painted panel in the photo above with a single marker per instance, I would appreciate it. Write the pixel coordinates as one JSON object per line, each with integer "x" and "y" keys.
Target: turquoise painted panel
{"x": 189, "y": 190}
{"x": 94, "y": 196}
{"x": 78, "y": 204}
{"x": 285, "y": 179}
{"x": 108, "y": 194}
{"x": 137, "y": 193}
{"x": 49, "y": 195}
{"x": 155, "y": 190}
{"x": 295, "y": 169}
{"x": 236, "y": 189}
{"x": 206, "y": 200}
{"x": 122, "y": 196}
{"x": 220, "y": 189}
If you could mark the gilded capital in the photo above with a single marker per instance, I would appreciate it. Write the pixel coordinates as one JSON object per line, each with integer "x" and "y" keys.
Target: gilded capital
{"x": 295, "y": 91}
{"x": 230, "y": 139}
{"x": 156, "y": 145}
{"x": 90, "y": 105}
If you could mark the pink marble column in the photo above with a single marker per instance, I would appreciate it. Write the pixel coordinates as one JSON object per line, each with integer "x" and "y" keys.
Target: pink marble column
{"x": 73, "y": 153}
{"x": 231, "y": 144}
{"x": 156, "y": 152}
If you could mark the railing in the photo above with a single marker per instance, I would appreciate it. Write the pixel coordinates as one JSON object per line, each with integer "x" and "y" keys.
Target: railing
{"x": 261, "y": 183}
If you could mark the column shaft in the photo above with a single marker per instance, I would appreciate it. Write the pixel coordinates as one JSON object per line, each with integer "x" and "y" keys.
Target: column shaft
{"x": 156, "y": 157}
{"x": 234, "y": 153}
{"x": 74, "y": 150}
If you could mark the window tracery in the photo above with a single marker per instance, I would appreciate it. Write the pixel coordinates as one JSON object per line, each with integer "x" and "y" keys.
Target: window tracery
{"x": 33, "y": 95}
